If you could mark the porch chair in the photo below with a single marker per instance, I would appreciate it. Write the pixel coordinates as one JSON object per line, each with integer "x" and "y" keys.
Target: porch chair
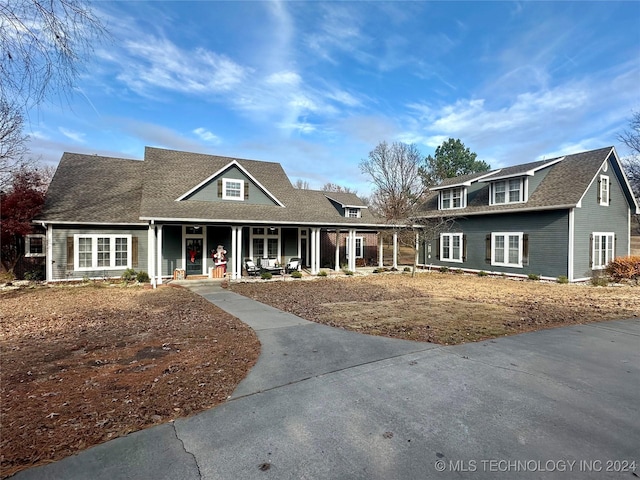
{"x": 251, "y": 267}
{"x": 293, "y": 264}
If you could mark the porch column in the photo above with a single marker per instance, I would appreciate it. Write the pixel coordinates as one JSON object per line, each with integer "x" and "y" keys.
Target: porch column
{"x": 314, "y": 260}
{"x": 337, "y": 264}
{"x": 234, "y": 253}
{"x": 239, "y": 250}
{"x": 151, "y": 257}
{"x": 49, "y": 258}
{"x": 159, "y": 255}
{"x": 352, "y": 250}
{"x": 417, "y": 248}
{"x": 380, "y": 250}
{"x": 395, "y": 249}
{"x": 318, "y": 249}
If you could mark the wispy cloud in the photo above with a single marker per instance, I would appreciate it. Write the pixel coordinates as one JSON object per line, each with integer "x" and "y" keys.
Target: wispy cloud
{"x": 72, "y": 135}
{"x": 207, "y": 136}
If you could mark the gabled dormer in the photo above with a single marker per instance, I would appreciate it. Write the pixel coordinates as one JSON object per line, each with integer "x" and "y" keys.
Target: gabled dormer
{"x": 513, "y": 184}
{"x": 453, "y": 193}
{"x": 346, "y": 205}
{"x": 232, "y": 183}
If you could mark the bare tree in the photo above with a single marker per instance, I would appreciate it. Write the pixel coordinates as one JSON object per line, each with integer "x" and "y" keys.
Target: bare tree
{"x": 301, "y": 184}
{"x": 334, "y": 187}
{"x": 631, "y": 137}
{"x": 43, "y": 45}
{"x": 12, "y": 140}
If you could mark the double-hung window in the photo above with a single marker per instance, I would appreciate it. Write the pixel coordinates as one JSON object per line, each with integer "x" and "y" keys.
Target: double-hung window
{"x": 603, "y": 191}
{"x": 102, "y": 252}
{"x": 359, "y": 247}
{"x": 508, "y": 191}
{"x": 351, "y": 212}
{"x": 232, "y": 189}
{"x": 507, "y": 249}
{"x": 603, "y": 249}
{"x": 451, "y": 246}
{"x": 34, "y": 245}
{"x": 451, "y": 198}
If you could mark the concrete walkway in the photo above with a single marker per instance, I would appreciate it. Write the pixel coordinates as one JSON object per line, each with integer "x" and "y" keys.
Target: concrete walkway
{"x": 322, "y": 403}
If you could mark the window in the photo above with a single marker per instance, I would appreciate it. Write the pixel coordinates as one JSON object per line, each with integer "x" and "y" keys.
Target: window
{"x": 352, "y": 212}
{"x": 34, "y": 246}
{"x": 452, "y": 198}
{"x": 272, "y": 248}
{"x": 359, "y": 247}
{"x": 602, "y": 250}
{"x": 265, "y": 243}
{"x": 451, "y": 246}
{"x": 232, "y": 189}
{"x": 102, "y": 252}
{"x": 603, "y": 191}
{"x": 507, "y": 249}
{"x": 507, "y": 191}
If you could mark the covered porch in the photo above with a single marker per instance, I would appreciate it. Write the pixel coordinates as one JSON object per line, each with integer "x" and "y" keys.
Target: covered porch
{"x": 191, "y": 248}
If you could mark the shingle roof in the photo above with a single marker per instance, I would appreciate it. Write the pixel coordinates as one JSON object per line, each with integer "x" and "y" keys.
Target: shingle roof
{"x": 519, "y": 170}
{"x": 89, "y": 188}
{"x": 92, "y": 189}
{"x": 562, "y": 187}
{"x": 345, "y": 199}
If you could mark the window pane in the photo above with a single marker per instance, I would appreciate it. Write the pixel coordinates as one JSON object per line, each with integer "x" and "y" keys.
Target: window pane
{"x": 36, "y": 245}
{"x": 359, "y": 247}
{"x": 104, "y": 252}
{"x": 457, "y": 197}
{"x": 446, "y": 199}
{"x": 610, "y": 253}
{"x": 446, "y": 247}
{"x": 456, "y": 248}
{"x": 499, "y": 249}
{"x": 499, "y": 192}
{"x": 514, "y": 249}
{"x": 84, "y": 252}
{"x": 514, "y": 190}
{"x": 233, "y": 189}
{"x": 258, "y": 247}
{"x": 121, "y": 252}
{"x": 272, "y": 247}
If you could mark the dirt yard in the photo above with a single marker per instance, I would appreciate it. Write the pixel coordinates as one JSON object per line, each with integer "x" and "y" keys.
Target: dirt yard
{"x": 444, "y": 308}
{"x": 83, "y": 365}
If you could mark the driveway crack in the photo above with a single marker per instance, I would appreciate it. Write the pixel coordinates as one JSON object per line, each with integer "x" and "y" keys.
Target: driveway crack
{"x": 175, "y": 431}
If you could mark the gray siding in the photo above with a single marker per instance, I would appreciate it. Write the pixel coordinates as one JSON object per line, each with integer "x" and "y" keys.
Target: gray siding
{"x": 289, "y": 243}
{"x": 171, "y": 248}
{"x": 209, "y": 191}
{"x": 593, "y": 217}
{"x": 218, "y": 236}
{"x": 548, "y": 242}
{"x": 60, "y": 235}
{"x": 536, "y": 180}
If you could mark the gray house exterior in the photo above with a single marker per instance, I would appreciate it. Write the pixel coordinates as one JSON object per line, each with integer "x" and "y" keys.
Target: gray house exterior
{"x": 566, "y": 216}
{"x": 173, "y": 209}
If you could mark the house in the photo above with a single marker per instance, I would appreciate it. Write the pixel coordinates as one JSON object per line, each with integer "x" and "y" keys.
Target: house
{"x": 566, "y": 216}
{"x": 173, "y": 209}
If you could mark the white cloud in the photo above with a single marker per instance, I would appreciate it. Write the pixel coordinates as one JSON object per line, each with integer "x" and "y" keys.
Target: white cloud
{"x": 72, "y": 135}
{"x": 206, "y": 135}
{"x": 291, "y": 79}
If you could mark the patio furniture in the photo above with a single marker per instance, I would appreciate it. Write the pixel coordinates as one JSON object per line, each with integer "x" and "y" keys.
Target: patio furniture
{"x": 271, "y": 265}
{"x": 293, "y": 264}
{"x": 251, "y": 267}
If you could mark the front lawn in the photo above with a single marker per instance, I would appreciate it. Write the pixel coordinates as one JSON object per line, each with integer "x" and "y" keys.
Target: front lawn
{"x": 83, "y": 365}
{"x": 444, "y": 308}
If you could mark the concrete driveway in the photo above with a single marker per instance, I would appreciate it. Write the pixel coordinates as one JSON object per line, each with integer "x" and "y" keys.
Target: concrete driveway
{"x": 323, "y": 403}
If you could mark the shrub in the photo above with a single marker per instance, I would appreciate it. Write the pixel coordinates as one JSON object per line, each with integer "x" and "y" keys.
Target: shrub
{"x": 533, "y": 276}
{"x": 458, "y": 271}
{"x": 406, "y": 269}
{"x": 482, "y": 273}
{"x": 128, "y": 275}
{"x": 598, "y": 280}
{"x": 142, "y": 277}
{"x": 296, "y": 274}
{"x": 33, "y": 276}
{"x": 624, "y": 268}
{"x": 348, "y": 272}
{"x": 322, "y": 273}
{"x": 562, "y": 279}
{"x": 444, "y": 269}
{"x": 266, "y": 276}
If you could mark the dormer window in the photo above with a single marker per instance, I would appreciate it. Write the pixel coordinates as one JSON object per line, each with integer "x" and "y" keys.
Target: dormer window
{"x": 507, "y": 191}
{"x": 452, "y": 198}
{"x": 351, "y": 212}
{"x": 232, "y": 189}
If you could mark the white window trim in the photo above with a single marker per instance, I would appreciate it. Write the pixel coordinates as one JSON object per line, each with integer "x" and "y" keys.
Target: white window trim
{"x": 451, "y": 235}
{"x": 94, "y": 252}
{"x": 346, "y": 243}
{"x": 463, "y": 198}
{"x": 524, "y": 186}
{"x": 348, "y": 210}
{"x": 506, "y": 263}
{"x": 27, "y": 245}
{"x": 265, "y": 238}
{"x": 594, "y": 255}
{"x": 226, "y": 181}
{"x": 604, "y": 199}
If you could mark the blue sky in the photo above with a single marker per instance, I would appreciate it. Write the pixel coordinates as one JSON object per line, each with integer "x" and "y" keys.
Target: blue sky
{"x": 317, "y": 85}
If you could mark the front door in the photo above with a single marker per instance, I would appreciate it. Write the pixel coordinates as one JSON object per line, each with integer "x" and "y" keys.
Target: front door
{"x": 194, "y": 256}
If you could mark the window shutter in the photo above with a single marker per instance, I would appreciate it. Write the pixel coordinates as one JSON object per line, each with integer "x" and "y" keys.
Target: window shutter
{"x": 591, "y": 251}
{"x": 525, "y": 249}
{"x": 464, "y": 248}
{"x": 246, "y": 190}
{"x": 219, "y": 188}
{"x": 599, "y": 190}
{"x": 134, "y": 252}
{"x": 69, "y": 253}
{"x": 487, "y": 248}
{"x": 437, "y": 240}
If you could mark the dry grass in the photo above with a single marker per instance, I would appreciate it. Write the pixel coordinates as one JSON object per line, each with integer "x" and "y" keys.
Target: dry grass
{"x": 445, "y": 308}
